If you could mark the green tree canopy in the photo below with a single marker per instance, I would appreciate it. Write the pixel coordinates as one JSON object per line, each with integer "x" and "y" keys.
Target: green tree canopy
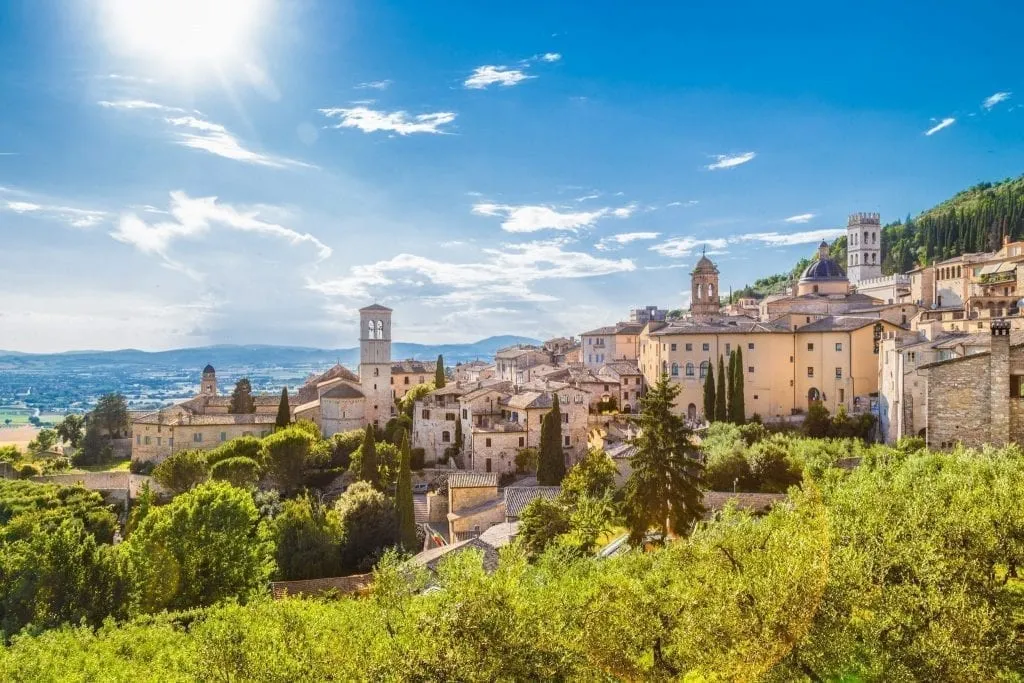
{"x": 439, "y": 375}
{"x": 284, "y": 411}
{"x": 286, "y": 455}
{"x": 307, "y": 539}
{"x": 242, "y": 402}
{"x": 181, "y": 471}
{"x": 111, "y": 415}
{"x": 721, "y": 407}
{"x": 709, "y": 394}
{"x": 240, "y": 472}
{"x": 737, "y": 406}
{"x": 368, "y": 466}
{"x": 593, "y": 476}
{"x": 71, "y": 429}
{"x": 551, "y": 464}
{"x": 403, "y": 501}
{"x": 368, "y": 524}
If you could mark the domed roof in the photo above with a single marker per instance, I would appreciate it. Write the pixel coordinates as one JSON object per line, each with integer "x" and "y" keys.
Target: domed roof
{"x": 824, "y": 267}
{"x": 704, "y": 265}
{"x": 208, "y": 370}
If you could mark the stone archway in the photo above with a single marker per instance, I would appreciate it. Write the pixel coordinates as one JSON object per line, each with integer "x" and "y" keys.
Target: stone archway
{"x": 813, "y": 396}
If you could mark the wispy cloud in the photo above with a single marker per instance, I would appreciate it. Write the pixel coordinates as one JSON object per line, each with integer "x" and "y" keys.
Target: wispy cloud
{"x": 216, "y": 139}
{"x": 26, "y": 204}
{"x": 130, "y": 105}
{"x": 799, "y": 218}
{"x": 781, "y": 239}
{"x": 691, "y": 202}
{"x": 375, "y": 85}
{"x": 679, "y": 247}
{"x": 503, "y": 275}
{"x": 484, "y": 76}
{"x": 531, "y": 218}
{"x": 192, "y": 218}
{"x": 944, "y": 123}
{"x": 995, "y": 98}
{"x": 730, "y": 160}
{"x": 372, "y": 121}
{"x": 615, "y": 241}
{"x": 551, "y": 56}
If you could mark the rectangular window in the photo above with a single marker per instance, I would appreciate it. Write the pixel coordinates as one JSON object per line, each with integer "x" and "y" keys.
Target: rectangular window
{"x": 476, "y": 529}
{"x": 728, "y": 349}
{"x": 750, "y": 368}
{"x": 810, "y": 372}
{"x": 1016, "y": 386}
{"x": 422, "y": 380}
{"x": 406, "y": 379}
{"x": 425, "y": 414}
{"x": 487, "y": 442}
{"x": 170, "y": 442}
{"x": 755, "y": 397}
{"x": 673, "y": 347}
{"x": 522, "y": 442}
{"x": 625, "y": 395}
{"x": 706, "y": 347}
{"x": 839, "y": 373}
{"x": 147, "y": 440}
{"x": 565, "y": 418}
{"x": 197, "y": 437}
{"x": 566, "y": 439}
{"x": 842, "y": 396}
{"x": 808, "y": 318}
{"x": 223, "y": 436}
{"x": 689, "y": 347}
{"x": 750, "y": 346}
{"x": 159, "y": 441}
{"x": 138, "y": 439}
{"x": 465, "y": 414}
{"x": 839, "y": 346}
{"x": 810, "y": 347}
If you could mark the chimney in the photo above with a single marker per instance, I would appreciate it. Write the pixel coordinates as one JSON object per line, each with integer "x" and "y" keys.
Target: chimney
{"x": 999, "y": 383}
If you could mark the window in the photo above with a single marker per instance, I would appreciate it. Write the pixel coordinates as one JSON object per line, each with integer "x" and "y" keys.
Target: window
{"x": 637, "y": 381}
{"x": 170, "y": 442}
{"x": 565, "y": 418}
{"x": 606, "y": 386}
{"x": 755, "y": 397}
{"x": 689, "y": 369}
{"x": 567, "y": 440}
{"x": 393, "y": 380}
{"x": 673, "y": 347}
{"x": 675, "y": 369}
{"x": 839, "y": 373}
{"x": 450, "y": 417}
{"x": 704, "y": 365}
{"x": 148, "y": 440}
{"x": 689, "y": 347}
{"x": 425, "y": 414}
{"x": 522, "y": 442}
{"x": 446, "y": 437}
{"x": 487, "y": 463}
{"x": 487, "y": 443}
{"x": 791, "y": 359}
{"x": 839, "y": 346}
{"x": 706, "y": 347}
{"x": 750, "y": 346}
{"x": 808, "y": 319}
{"x": 405, "y": 379}
{"x": 465, "y": 414}
{"x": 664, "y": 367}
{"x": 625, "y": 395}
{"x": 810, "y": 372}
{"x": 223, "y": 436}
{"x": 197, "y": 437}
{"x": 728, "y": 349}
{"x": 842, "y": 395}
{"x": 138, "y": 439}
{"x": 750, "y": 369}
{"x": 376, "y": 372}
{"x": 421, "y": 380}
{"x": 810, "y": 347}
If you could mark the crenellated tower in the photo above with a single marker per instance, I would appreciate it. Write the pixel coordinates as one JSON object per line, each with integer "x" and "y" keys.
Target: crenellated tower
{"x": 863, "y": 247}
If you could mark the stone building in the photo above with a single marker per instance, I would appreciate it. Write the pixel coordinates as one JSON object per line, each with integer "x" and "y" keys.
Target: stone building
{"x": 977, "y": 399}
{"x": 864, "y": 247}
{"x": 611, "y": 343}
{"x": 515, "y": 363}
{"x": 704, "y": 292}
{"x": 407, "y": 374}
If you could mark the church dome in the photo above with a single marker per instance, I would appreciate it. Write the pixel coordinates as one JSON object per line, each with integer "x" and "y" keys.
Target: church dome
{"x": 208, "y": 370}
{"x": 823, "y": 268}
{"x": 704, "y": 265}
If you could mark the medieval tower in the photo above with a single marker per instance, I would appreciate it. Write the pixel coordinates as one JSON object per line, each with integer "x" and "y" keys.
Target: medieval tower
{"x": 863, "y": 247}
{"x": 208, "y": 385}
{"x": 375, "y": 362}
{"x": 704, "y": 299}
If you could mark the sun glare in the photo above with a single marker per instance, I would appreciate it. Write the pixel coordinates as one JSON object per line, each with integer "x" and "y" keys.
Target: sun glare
{"x": 187, "y": 38}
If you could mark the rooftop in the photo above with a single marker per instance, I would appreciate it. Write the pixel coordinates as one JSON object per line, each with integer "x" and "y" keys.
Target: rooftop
{"x": 518, "y": 497}
{"x": 413, "y": 366}
{"x": 472, "y": 480}
{"x": 431, "y": 559}
{"x": 724, "y": 325}
{"x": 375, "y": 307}
{"x": 343, "y": 390}
{"x": 839, "y": 323}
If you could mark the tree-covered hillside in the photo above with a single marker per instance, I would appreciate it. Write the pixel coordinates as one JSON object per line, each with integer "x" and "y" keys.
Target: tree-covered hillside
{"x": 974, "y": 220}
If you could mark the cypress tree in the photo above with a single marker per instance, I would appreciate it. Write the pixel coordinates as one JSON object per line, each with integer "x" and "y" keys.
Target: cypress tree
{"x": 551, "y": 468}
{"x": 284, "y": 411}
{"x": 242, "y": 402}
{"x": 730, "y": 385}
{"x": 709, "y": 394}
{"x": 458, "y": 437}
{"x": 439, "y": 378}
{"x": 721, "y": 413}
{"x": 369, "y": 471}
{"x": 739, "y": 409}
{"x": 403, "y": 500}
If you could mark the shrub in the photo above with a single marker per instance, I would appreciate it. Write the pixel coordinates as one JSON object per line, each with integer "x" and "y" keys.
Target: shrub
{"x": 287, "y": 455}
{"x": 9, "y": 454}
{"x": 307, "y": 539}
{"x": 368, "y": 523}
{"x": 28, "y": 469}
{"x": 242, "y": 447}
{"x": 181, "y": 471}
{"x": 343, "y": 445}
{"x": 240, "y": 472}
{"x": 771, "y": 469}
{"x": 58, "y": 464}
{"x": 145, "y": 467}
{"x": 527, "y": 460}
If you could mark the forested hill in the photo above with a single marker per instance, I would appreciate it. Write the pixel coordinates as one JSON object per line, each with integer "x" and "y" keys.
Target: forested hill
{"x": 974, "y": 220}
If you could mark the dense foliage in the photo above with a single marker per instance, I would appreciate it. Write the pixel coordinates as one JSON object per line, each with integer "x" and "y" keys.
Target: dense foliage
{"x": 551, "y": 457}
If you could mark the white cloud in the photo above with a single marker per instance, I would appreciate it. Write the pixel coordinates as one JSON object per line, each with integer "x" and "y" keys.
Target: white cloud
{"x": 531, "y": 218}
{"x": 216, "y": 139}
{"x": 75, "y": 217}
{"x": 551, "y": 56}
{"x": 615, "y": 241}
{"x": 371, "y": 121}
{"x": 587, "y": 197}
{"x": 777, "y": 239}
{"x": 375, "y": 85}
{"x": 484, "y": 76}
{"x": 730, "y": 161}
{"x": 691, "y": 202}
{"x": 799, "y": 218}
{"x": 503, "y": 275}
{"x": 944, "y": 123}
{"x": 679, "y": 247}
{"x": 192, "y": 218}
{"x": 130, "y": 105}
{"x": 995, "y": 98}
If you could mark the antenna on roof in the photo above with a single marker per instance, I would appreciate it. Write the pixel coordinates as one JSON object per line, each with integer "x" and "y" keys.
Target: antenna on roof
{"x": 704, "y": 250}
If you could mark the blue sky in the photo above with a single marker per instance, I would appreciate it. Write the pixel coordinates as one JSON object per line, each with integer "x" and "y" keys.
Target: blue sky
{"x": 180, "y": 173}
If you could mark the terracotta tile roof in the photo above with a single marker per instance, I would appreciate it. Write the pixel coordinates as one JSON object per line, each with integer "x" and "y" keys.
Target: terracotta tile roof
{"x": 201, "y": 419}
{"x": 374, "y": 307}
{"x": 470, "y": 480}
{"x": 345, "y": 585}
{"x": 518, "y": 497}
{"x": 751, "y": 502}
{"x": 839, "y": 323}
{"x": 721, "y": 326}
{"x": 410, "y": 367}
{"x": 343, "y": 390}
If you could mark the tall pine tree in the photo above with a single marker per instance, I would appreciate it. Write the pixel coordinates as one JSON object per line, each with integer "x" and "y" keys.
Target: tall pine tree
{"x": 369, "y": 470}
{"x": 709, "y": 394}
{"x": 403, "y": 500}
{"x": 439, "y": 376}
{"x": 284, "y": 411}
{"x": 721, "y": 412}
{"x": 551, "y": 465}
{"x": 662, "y": 492}
{"x": 737, "y": 405}
{"x": 730, "y": 384}
{"x": 242, "y": 402}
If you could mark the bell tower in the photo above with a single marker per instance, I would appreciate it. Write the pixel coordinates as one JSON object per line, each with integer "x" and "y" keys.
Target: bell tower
{"x": 704, "y": 301}
{"x": 863, "y": 247}
{"x": 208, "y": 385}
{"x": 375, "y": 362}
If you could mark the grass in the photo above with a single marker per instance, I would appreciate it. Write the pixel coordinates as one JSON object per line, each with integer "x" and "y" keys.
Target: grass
{"x": 116, "y": 466}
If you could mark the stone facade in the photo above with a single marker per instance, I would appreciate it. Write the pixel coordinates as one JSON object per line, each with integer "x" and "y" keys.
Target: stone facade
{"x": 864, "y": 247}
{"x": 375, "y": 363}
{"x": 407, "y": 374}
{"x": 611, "y": 343}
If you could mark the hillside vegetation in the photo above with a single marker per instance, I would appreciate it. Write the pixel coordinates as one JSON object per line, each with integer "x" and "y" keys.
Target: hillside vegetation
{"x": 973, "y": 220}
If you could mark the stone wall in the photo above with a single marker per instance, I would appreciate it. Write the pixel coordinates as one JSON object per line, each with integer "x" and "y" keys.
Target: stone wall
{"x": 958, "y": 402}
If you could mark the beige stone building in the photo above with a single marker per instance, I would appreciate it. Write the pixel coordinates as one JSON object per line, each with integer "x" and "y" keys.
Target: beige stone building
{"x": 612, "y": 343}
{"x": 517, "y": 363}
{"x": 407, "y": 374}
{"x": 977, "y": 399}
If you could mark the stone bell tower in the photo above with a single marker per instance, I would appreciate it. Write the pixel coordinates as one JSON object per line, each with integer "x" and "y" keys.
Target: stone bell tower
{"x": 863, "y": 247}
{"x": 375, "y": 362}
{"x": 704, "y": 301}
{"x": 208, "y": 385}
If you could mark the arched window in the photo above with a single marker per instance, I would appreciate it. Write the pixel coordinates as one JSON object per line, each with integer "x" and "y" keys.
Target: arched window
{"x": 369, "y": 329}
{"x": 711, "y": 291}
{"x": 874, "y": 238}
{"x": 689, "y": 369}
{"x": 704, "y": 365}
{"x": 700, "y": 291}
{"x": 865, "y": 235}
{"x": 675, "y": 369}
{"x": 446, "y": 437}
{"x": 873, "y": 256}
{"x": 376, "y": 372}
{"x": 380, "y": 329}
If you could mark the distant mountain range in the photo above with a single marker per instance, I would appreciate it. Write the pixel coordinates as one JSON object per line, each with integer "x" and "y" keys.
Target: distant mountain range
{"x": 266, "y": 356}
